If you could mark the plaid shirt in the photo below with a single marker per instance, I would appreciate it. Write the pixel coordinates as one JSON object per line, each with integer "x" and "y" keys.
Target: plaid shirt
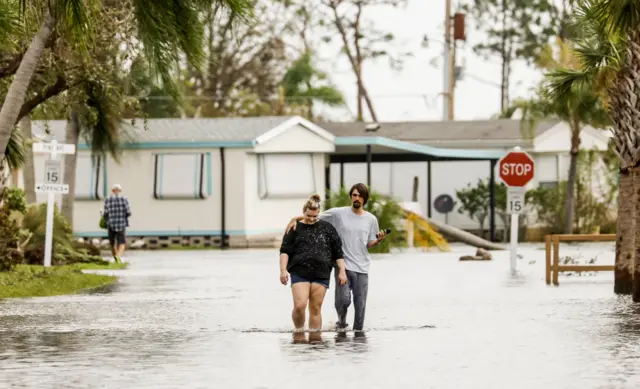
{"x": 116, "y": 212}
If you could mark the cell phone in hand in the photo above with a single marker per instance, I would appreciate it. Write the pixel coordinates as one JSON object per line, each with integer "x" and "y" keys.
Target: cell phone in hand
{"x": 387, "y": 231}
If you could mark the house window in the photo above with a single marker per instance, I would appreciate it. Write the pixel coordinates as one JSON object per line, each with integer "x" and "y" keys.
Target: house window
{"x": 91, "y": 177}
{"x": 182, "y": 176}
{"x": 286, "y": 175}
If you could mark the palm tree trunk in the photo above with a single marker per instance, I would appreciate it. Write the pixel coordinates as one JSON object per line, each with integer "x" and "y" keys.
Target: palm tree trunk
{"x": 18, "y": 89}
{"x": 571, "y": 181}
{"x": 28, "y": 170}
{"x": 625, "y": 234}
{"x": 70, "y": 162}
{"x": 634, "y": 265}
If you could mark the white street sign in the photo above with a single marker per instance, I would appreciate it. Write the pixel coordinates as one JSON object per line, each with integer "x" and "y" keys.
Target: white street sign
{"x": 61, "y": 148}
{"x": 52, "y": 188}
{"x": 515, "y": 200}
{"x": 52, "y": 176}
{"x": 52, "y": 171}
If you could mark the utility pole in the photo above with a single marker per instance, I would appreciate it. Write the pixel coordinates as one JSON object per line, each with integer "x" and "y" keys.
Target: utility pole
{"x": 447, "y": 92}
{"x": 449, "y": 67}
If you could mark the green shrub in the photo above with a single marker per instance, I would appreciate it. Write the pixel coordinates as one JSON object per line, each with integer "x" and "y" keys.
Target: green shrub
{"x": 9, "y": 240}
{"x": 35, "y": 221}
{"x": 15, "y": 200}
{"x": 65, "y": 250}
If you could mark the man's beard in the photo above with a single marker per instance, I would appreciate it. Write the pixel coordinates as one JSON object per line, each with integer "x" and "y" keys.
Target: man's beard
{"x": 356, "y": 204}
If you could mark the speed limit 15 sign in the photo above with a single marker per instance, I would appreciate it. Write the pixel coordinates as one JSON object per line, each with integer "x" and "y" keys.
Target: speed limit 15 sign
{"x": 52, "y": 171}
{"x": 515, "y": 200}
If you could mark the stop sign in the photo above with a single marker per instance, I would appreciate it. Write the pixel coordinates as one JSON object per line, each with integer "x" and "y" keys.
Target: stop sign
{"x": 516, "y": 168}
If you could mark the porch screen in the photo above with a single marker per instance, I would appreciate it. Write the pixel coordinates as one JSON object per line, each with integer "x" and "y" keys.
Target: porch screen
{"x": 91, "y": 178}
{"x": 286, "y": 175}
{"x": 182, "y": 176}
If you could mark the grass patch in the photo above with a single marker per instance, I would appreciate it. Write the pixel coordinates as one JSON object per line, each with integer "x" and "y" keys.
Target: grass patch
{"x": 37, "y": 281}
{"x": 95, "y": 266}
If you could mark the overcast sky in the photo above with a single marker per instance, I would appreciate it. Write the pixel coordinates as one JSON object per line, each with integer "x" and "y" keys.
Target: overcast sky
{"x": 412, "y": 94}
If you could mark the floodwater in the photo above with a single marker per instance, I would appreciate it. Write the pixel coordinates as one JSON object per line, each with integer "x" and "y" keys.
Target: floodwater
{"x": 196, "y": 319}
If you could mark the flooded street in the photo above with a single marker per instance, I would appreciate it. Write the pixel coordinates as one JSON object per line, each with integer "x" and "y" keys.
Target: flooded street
{"x": 211, "y": 319}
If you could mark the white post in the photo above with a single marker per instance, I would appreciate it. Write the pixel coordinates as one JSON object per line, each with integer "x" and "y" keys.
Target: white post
{"x": 514, "y": 237}
{"x": 514, "y": 243}
{"x": 48, "y": 240}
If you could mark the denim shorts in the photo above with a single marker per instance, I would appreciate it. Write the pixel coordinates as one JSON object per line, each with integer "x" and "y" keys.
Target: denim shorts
{"x": 296, "y": 278}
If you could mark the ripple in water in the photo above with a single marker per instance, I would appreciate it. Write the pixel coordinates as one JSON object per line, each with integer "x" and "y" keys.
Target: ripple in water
{"x": 221, "y": 319}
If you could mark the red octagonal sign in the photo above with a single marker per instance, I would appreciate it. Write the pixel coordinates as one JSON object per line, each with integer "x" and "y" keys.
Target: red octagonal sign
{"x": 516, "y": 168}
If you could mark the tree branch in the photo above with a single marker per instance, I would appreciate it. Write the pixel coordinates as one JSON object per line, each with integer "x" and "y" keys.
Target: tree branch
{"x": 51, "y": 91}
{"x": 10, "y": 66}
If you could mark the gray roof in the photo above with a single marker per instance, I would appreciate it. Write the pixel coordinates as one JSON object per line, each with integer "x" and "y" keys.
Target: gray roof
{"x": 491, "y": 133}
{"x": 182, "y": 130}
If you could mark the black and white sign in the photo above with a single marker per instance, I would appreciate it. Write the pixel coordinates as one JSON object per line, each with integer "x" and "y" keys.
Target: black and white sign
{"x": 60, "y": 148}
{"x": 515, "y": 200}
{"x": 52, "y": 188}
{"x": 52, "y": 171}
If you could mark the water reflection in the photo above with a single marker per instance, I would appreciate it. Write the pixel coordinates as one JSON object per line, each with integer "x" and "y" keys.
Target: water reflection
{"x": 19, "y": 345}
{"x": 309, "y": 344}
{"x": 202, "y": 320}
{"x": 357, "y": 343}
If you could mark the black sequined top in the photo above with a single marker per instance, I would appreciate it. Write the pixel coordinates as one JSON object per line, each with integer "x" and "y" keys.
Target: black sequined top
{"x": 313, "y": 249}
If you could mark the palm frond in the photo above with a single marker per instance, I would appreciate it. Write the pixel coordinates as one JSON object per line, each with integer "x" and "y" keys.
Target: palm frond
{"x": 14, "y": 153}
{"x": 101, "y": 121}
{"x": 10, "y": 24}
{"x": 620, "y": 17}
{"x": 78, "y": 19}
{"x": 168, "y": 28}
{"x": 561, "y": 84}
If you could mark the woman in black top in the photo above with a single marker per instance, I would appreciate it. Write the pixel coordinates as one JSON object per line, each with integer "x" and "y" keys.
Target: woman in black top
{"x": 309, "y": 253}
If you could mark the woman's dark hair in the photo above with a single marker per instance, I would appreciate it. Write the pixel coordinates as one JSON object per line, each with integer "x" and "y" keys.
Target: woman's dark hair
{"x": 363, "y": 190}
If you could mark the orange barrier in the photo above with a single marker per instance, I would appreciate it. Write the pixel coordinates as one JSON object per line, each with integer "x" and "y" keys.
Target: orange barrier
{"x": 552, "y": 249}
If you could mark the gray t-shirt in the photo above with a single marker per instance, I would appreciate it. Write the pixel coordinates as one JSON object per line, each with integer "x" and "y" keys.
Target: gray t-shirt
{"x": 355, "y": 232}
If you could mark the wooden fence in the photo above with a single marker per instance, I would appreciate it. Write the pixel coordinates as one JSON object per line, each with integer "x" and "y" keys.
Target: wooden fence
{"x": 552, "y": 251}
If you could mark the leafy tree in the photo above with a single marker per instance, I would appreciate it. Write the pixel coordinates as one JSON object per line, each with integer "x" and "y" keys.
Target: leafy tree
{"x": 515, "y": 30}
{"x": 475, "y": 201}
{"x": 244, "y": 63}
{"x": 607, "y": 43}
{"x": 361, "y": 40}
{"x": 302, "y": 85}
{"x": 579, "y": 108}
{"x": 165, "y": 31}
{"x": 152, "y": 99}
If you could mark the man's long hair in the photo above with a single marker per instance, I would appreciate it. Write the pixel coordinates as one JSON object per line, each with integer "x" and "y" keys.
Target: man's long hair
{"x": 363, "y": 190}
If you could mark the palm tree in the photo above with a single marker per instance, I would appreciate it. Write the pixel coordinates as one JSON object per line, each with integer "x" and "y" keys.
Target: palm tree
{"x": 608, "y": 49}
{"x": 167, "y": 31}
{"x": 13, "y": 159}
{"x": 578, "y": 109}
{"x": 300, "y": 86}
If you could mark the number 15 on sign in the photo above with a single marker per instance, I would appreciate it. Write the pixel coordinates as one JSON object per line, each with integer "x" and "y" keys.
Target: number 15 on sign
{"x": 52, "y": 169}
{"x": 515, "y": 200}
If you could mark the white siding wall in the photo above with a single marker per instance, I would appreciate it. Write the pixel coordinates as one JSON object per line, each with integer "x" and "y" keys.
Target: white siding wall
{"x": 270, "y": 215}
{"x": 170, "y": 216}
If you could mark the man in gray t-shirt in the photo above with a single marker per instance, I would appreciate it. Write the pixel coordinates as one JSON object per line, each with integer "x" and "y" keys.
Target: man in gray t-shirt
{"x": 359, "y": 231}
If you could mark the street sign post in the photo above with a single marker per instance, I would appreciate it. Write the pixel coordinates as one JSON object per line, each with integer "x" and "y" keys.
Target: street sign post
{"x": 515, "y": 169}
{"x": 52, "y": 185}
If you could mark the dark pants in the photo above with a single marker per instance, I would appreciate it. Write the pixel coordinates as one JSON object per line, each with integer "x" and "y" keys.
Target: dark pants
{"x": 116, "y": 237}
{"x": 358, "y": 284}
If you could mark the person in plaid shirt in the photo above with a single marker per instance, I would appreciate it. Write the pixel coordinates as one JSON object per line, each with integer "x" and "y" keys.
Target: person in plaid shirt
{"x": 116, "y": 214}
